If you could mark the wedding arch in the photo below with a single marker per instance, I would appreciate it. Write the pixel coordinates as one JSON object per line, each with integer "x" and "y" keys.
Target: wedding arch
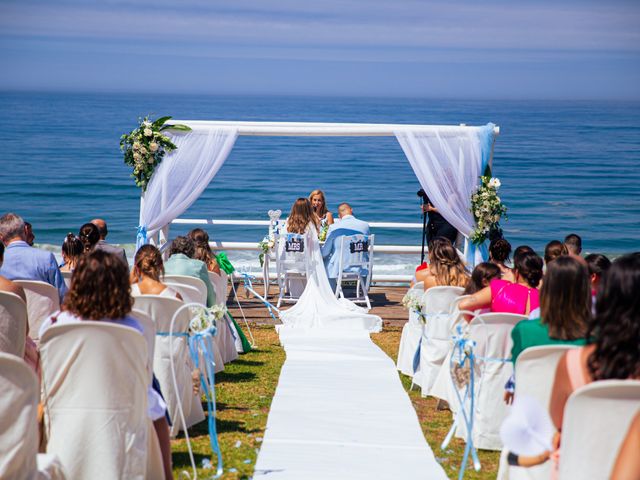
{"x": 447, "y": 160}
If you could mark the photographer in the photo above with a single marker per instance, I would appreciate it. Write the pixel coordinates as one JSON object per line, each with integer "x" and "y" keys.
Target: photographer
{"x": 437, "y": 226}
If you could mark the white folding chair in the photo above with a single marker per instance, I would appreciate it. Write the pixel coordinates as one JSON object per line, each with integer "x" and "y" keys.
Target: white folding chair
{"x": 435, "y": 340}
{"x": 191, "y": 282}
{"x": 356, "y": 264}
{"x": 491, "y": 333}
{"x": 66, "y": 276}
{"x": 13, "y": 324}
{"x": 19, "y": 437}
{"x": 149, "y": 333}
{"x": 534, "y": 373}
{"x": 596, "y": 419}
{"x": 43, "y": 301}
{"x": 188, "y": 293}
{"x": 292, "y": 259}
{"x": 94, "y": 389}
{"x": 161, "y": 310}
{"x": 411, "y": 332}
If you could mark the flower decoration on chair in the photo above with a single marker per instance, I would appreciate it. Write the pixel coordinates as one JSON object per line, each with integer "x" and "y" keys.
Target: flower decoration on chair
{"x": 487, "y": 209}
{"x": 145, "y": 147}
{"x": 265, "y": 245}
{"x": 413, "y": 303}
{"x": 205, "y": 319}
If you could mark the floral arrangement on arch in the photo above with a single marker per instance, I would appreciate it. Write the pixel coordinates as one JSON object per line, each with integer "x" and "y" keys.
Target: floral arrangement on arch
{"x": 487, "y": 209}
{"x": 412, "y": 301}
{"x": 145, "y": 146}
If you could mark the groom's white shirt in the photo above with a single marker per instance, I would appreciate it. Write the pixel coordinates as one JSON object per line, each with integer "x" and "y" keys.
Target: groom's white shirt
{"x": 347, "y": 225}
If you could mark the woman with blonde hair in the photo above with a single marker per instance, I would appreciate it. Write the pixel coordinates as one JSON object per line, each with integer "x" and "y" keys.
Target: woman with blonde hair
{"x": 319, "y": 207}
{"x": 445, "y": 266}
{"x": 148, "y": 269}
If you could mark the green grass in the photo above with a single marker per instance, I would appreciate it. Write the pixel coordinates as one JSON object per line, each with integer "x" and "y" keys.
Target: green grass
{"x": 244, "y": 393}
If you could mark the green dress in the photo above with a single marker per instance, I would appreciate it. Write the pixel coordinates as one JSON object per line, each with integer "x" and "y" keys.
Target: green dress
{"x": 534, "y": 333}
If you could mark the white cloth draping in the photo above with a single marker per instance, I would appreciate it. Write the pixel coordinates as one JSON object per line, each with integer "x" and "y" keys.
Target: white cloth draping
{"x": 318, "y": 305}
{"x": 448, "y": 164}
{"x": 184, "y": 174}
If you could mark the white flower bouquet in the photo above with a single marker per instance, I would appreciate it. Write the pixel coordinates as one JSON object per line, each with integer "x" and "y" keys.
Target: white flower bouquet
{"x": 412, "y": 301}
{"x": 206, "y": 318}
{"x": 265, "y": 245}
{"x": 487, "y": 209}
{"x": 145, "y": 147}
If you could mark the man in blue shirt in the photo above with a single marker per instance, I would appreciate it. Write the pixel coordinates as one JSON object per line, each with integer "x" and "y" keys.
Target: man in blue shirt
{"x": 347, "y": 225}
{"x": 23, "y": 262}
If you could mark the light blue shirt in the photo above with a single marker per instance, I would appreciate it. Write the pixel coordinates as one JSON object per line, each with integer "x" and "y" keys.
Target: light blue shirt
{"x": 22, "y": 262}
{"x": 347, "y": 225}
{"x": 180, "y": 264}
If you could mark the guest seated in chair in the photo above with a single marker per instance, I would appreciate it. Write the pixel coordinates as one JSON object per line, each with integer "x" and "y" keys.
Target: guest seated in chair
{"x": 148, "y": 269}
{"x": 72, "y": 250}
{"x": 445, "y": 266}
{"x": 23, "y": 262}
{"x": 203, "y": 249}
{"x": 481, "y": 277}
{"x": 519, "y": 297}
{"x": 102, "y": 243}
{"x": 499, "y": 250}
{"x": 347, "y": 225}
{"x": 181, "y": 262}
{"x": 100, "y": 291}
{"x": 89, "y": 236}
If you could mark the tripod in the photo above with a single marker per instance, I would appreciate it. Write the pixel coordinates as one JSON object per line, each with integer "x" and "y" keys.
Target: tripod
{"x": 423, "y": 199}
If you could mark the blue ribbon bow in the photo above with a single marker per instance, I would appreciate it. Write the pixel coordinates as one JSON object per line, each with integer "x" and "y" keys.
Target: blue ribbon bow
{"x": 141, "y": 236}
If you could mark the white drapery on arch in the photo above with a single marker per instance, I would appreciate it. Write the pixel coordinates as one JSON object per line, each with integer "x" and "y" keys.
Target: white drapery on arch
{"x": 448, "y": 164}
{"x": 182, "y": 176}
{"x": 447, "y": 161}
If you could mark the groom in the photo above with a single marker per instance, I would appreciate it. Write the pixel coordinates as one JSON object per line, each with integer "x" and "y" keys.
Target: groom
{"x": 347, "y": 225}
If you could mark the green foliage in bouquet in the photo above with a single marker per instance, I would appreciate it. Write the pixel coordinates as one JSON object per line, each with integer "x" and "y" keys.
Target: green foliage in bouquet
{"x": 144, "y": 147}
{"x": 487, "y": 209}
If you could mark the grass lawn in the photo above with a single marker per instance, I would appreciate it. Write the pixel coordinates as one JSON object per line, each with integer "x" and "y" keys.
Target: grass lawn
{"x": 244, "y": 393}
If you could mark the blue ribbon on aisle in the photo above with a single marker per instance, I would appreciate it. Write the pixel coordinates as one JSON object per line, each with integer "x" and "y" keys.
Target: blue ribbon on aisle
{"x": 201, "y": 343}
{"x": 249, "y": 287}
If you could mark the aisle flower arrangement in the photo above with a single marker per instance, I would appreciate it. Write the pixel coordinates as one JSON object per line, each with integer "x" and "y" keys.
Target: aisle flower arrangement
{"x": 265, "y": 245}
{"x": 412, "y": 301}
{"x": 487, "y": 209}
{"x": 145, "y": 146}
{"x": 206, "y": 318}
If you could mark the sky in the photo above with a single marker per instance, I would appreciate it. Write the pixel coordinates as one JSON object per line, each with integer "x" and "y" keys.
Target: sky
{"x": 522, "y": 49}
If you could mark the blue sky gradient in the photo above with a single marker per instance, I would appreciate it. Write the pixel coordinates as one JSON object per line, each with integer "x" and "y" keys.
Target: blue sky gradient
{"x": 469, "y": 49}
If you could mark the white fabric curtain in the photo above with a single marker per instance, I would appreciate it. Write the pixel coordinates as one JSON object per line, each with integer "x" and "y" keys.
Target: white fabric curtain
{"x": 183, "y": 175}
{"x": 448, "y": 164}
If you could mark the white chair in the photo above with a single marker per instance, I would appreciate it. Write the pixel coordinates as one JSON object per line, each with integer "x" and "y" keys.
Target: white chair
{"x": 43, "y": 301}
{"x": 161, "y": 310}
{"x": 491, "y": 333}
{"x": 188, "y": 293}
{"x": 411, "y": 332}
{"x": 66, "y": 276}
{"x": 94, "y": 386}
{"x": 596, "y": 419}
{"x": 292, "y": 259}
{"x": 149, "y": 333}
{"x": 191, "y": 282}
{"x": 356, "y": 264}
{"x": 220, "y": 284}
{"x": 435, "y": 340}
{"x": 19, "y": 458}
{"x": 534, "y": 373}
{"x": 13, "y": 324}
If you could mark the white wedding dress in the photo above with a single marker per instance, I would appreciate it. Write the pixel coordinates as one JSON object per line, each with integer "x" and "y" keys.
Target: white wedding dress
{"x": 318, "y": 306}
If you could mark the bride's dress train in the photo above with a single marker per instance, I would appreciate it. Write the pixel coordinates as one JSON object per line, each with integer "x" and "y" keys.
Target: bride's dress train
{"x": 318, "y": 306}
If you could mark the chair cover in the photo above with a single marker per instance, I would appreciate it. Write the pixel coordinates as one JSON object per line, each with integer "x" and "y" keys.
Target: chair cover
{"x": 596, "y": 420}
{"x": 492, "y": 335}
{"x": 411, "y": 332}
{"x": 436, "y": 335}
{"x": 67, "y": 278}
{"x": 227, "y": 335}
{"x": 356, "y": 263}
{"x": 534, "y": 373}
{"x": 19, "y": 437}
{"x": 43, "y": 301}
{"x": 191, "y": 282}
{"x": 220, "y": 284}
{"x": 94, "y": 384}
{"x": 292, "y": 259}
{"x": 149, "y": 333}
{"x": 13, "y": 324}
{"x": 162, "y": 309}
{"x": 188, "y": 293}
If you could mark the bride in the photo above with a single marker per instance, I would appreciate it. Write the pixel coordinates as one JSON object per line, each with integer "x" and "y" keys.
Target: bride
{"x": 318, "y": 305}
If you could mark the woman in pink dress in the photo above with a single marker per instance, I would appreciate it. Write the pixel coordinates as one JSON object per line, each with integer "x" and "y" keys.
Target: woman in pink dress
{"x": 520, "y": 296}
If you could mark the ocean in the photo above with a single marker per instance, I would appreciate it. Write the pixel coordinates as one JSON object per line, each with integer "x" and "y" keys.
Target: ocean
{"x": 565, "y": 166}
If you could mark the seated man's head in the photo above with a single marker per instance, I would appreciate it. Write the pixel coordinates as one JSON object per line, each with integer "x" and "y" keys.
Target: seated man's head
{"x": 12, "y": 228}
{"x": 183, "y": 245}
{"x": 102, "y": 227}
{"x": 573, "y": 243}
{"x": 344, "y": 209}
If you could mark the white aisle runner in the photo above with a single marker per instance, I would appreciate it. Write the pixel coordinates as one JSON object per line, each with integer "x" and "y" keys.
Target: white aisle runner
{"x": 340, "y": 412}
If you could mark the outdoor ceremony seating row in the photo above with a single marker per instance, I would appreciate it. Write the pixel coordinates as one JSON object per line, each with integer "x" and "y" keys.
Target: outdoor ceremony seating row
{"x": 43, "y": 300}
{"x": 18, "y": 424}
{"x": 13, "y": 324}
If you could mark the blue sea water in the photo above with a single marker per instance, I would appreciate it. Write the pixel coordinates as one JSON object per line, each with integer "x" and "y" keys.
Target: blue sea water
{"x": 565, "y": 167}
